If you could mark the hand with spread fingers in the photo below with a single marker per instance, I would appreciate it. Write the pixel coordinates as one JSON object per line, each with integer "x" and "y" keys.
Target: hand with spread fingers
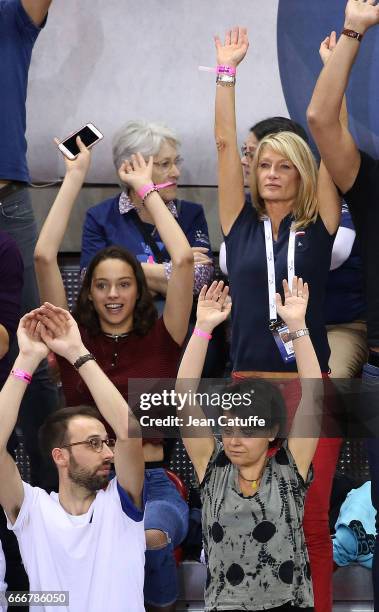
{"x": 234, "y": 49}
{"x": 213, "y": 307}
{"x": 292, "y": 312}
{"x": 136, "y": 172}
{"x": 60, "y": 331}
{"x": 360, "y": 15}
{"x": 327, "y": 47}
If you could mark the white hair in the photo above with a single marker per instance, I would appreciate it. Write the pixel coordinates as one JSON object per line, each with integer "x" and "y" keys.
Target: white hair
{"x": 140, "y": 136}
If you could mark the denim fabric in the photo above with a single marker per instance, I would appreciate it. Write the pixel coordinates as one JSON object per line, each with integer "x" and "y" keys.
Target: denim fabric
{"x": 167, "y": 511}
{"x": 17, "y": 219}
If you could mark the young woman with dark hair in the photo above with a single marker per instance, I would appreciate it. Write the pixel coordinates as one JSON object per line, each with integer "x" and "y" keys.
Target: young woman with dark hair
{"x": 119, "y": 325}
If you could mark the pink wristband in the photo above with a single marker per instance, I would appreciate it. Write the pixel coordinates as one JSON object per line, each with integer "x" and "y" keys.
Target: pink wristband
{"x": 231, "y": 70}
{"x": 22, "y": 375}
{"x": 202, "y": 334}
{"x": 142, "y": 191}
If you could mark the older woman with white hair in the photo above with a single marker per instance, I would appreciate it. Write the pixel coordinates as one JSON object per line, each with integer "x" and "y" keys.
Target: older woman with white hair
{"x": 121, "y": 221}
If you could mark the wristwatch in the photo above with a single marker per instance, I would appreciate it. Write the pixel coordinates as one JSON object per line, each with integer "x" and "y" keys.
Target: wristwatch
{"x": 299, "y": 333}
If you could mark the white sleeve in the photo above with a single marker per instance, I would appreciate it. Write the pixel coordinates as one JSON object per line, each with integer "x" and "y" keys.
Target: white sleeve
{"x": 342, "y": 246}
{"x": 222, "y": 259}
{"x": 30, "y": 497}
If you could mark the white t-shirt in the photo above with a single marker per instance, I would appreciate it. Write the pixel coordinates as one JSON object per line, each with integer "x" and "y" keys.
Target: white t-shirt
{"x": 98, "y": 556}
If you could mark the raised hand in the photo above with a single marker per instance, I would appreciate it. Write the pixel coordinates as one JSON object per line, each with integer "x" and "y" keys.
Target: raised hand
{"x": 60, "y": 332}
{"x": 234, "y": 49}
{"x": 136, "y": 172}
{"x": 29, "y": 337}
{"x": 213, "y": 307}
{"x": 292, "y": 312}
{"x": 327, "y": 47}
{"x": 360, "y": 15}
{"x": 82, "y": 162}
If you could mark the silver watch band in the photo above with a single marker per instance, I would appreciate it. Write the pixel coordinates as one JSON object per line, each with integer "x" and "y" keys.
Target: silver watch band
{"x": 299, "y": 333}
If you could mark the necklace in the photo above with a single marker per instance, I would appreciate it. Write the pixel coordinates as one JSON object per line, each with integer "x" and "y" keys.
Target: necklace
{"x": 255, "y": 482}
{"x": 116, "y": 336}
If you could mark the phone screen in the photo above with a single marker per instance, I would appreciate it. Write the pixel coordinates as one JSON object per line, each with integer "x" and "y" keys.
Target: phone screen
{"x": 86, "y": 134}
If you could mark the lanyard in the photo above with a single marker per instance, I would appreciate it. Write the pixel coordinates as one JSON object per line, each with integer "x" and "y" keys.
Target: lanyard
{"x": 271, "y": 265}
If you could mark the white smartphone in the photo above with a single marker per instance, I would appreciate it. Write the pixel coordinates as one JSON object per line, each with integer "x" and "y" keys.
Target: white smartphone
{"x": 89, "y": 135}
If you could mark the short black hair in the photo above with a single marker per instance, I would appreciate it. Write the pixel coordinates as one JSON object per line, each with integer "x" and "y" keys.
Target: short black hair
{"x": 266, "y": 403}
{"x": 274, "y": 125}
{"x": 53, "y": 432}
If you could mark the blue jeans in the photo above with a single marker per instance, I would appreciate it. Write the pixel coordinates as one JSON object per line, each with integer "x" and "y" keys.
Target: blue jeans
{"x": 370, "y": 377}
{"x": 167, "y": 511}
{"x": 41, "y": 398}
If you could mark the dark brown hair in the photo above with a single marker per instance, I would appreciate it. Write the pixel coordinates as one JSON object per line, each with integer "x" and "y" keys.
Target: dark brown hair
{"x": 53, "y": 432}
{"x": 144, "y": 315}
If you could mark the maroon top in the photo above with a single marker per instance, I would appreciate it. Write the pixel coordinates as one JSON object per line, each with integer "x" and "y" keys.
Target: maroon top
{"x": 155, "y": 355}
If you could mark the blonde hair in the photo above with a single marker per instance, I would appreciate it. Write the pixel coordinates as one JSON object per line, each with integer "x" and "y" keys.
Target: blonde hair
{"x": 296, "y": 150}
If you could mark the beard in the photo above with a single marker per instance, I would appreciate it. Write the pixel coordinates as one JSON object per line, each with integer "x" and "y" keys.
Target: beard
{"x": 88, "y": 479}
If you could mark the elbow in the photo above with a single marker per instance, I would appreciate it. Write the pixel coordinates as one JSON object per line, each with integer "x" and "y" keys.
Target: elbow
{"x": 4, "y": 346}
{"x": 314, "y": 118}
{"x": 184, "y": 259}
{"x": 42, "y": 257}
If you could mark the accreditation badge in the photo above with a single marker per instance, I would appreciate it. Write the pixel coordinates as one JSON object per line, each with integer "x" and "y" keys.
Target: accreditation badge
{"x": 282, "y": 339}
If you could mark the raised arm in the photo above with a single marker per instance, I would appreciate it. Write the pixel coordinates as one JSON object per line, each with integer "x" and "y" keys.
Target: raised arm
{"x": 36, "y": 9}
{"x": 327, "y": 194}
{"x": 213, "y": 308}
{"x": 49, "y": 277}
{"x": 32, "y": 351}
{"x": 231, "y": 192}
{"x": 137, "y": 174}
{"x": 60, "y": 332}
{"x": 293, "y": 314}
{"x": 335, "y": 143}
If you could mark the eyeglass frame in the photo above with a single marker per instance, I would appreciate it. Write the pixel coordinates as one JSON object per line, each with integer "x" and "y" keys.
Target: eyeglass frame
{"x": 178, "y": 161}
{"x": 248, "y": 153}
{"x": 89, "y": 443}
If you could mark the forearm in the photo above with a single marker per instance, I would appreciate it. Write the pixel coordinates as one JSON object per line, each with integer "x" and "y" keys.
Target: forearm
{"x": 155, "y": 277}
{"x": 306, "y": 359}
{"x": 169, "y": 230}
{"x": 4, "y": 341}
{"x": 11, "y": 395}
{"x": 327, "y": 99}
{"x": 55, "y": 226}
{"x": 108, "y": 399}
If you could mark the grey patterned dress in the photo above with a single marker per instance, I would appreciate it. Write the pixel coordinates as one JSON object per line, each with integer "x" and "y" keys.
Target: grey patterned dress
{"x": 254, "y": 546}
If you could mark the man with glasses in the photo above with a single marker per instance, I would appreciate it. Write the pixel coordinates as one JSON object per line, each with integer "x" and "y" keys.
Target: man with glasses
{"x": 86, "y": 543}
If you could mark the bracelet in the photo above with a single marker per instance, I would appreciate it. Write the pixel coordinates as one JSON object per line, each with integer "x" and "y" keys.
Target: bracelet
{"x": 152, "y": 190}
{"x": 298, "y": 334}
{"x": 226, "y": 80}
{"x": 22, "y": 375}
{"x": 226, "y": 70}
{"x": 142, "y": 191}
{"x": 82, "y": 360}
{"x": 352, "y": 34}
{"x": 202, "y": 334}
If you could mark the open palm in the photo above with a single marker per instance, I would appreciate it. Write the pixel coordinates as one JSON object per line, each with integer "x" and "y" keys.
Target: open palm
{"x": 234, "y": 49}
{"x": 295, "y": 301}
{"x": 214, "y": 306}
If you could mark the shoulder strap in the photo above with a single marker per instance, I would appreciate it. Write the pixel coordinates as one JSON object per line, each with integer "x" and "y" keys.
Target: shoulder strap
{"x": 141, "y": 226}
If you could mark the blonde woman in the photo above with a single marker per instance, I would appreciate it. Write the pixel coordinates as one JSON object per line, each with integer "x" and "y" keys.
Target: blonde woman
{"x": 286, "y": 228}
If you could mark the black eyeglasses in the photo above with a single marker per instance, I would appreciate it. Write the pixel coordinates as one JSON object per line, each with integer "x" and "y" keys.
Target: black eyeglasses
{"x": 247, "y": 152}
{"x": 95, "y": 443}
